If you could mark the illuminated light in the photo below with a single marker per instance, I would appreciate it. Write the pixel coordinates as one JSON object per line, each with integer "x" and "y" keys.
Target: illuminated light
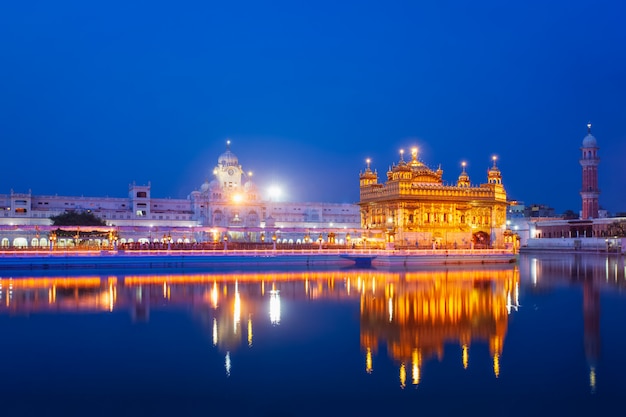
{"x": 274, "y": 307}
{"x": 214, "y": 332}
{"x": 402, "y": 376}
{"x": 306, "y": 286}
{"x": 237, "y": 310}
{"x": 508, "y": 302}
{"x": 237, "y": 198}
{"x": 373, "y": 285}
{"x": 368, "y": 361}
{"x": 416, "y": 367}
{"x": 592, "y": 379}
{"x": 164, "y": 289}
{"x": 390, "y": 309}
{"x": 249, "y": 331}
{"x": 414, "y": 152}
{"x": 214, "y": 295}
{"x": 348, "y": 286}
{"x": 465, "y": 356}
{"x": 111, "y": 296}
{"x": 50, "y": 296}
{"x": 227, "y": 363}
{"x": 496, "y": 365}
{"x": 275, "y": 192}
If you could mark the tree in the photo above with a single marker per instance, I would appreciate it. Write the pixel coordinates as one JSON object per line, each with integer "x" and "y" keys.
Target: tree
{"x": 73, "y": 218}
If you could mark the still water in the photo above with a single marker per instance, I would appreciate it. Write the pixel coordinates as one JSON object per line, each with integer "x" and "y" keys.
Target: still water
{"x": 545, "y": 336}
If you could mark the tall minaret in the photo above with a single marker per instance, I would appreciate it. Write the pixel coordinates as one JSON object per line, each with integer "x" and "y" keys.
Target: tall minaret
{"x": 589, "y": 162}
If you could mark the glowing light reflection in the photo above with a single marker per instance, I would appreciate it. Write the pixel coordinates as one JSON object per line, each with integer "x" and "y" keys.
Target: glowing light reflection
{"x": 368, "y": 361}
{"x": 275, "y": 307}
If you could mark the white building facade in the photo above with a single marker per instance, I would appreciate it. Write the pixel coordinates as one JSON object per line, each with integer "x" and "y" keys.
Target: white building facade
{"x": 229, "y": 205}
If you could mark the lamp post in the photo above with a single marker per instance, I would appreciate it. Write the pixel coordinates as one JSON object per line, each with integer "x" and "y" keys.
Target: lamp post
{"x": 348, "y": 239}
{"x": 274, "y": 241}
{"x": 320, "y": 239}
{"x": 225, "y": 240}
{"x": 53, "y": 240}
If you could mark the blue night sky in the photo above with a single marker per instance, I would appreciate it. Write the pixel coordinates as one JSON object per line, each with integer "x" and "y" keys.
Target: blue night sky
{"x": 95, "y": 95}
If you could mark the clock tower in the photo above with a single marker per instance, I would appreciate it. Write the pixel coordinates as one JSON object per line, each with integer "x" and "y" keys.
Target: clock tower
{"x": 228, "y": 172}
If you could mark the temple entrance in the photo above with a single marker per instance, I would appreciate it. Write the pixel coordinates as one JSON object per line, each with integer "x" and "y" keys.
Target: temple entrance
{"x": 481, "y": 240}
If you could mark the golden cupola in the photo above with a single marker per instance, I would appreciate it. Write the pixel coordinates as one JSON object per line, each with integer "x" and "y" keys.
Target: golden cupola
{"x": 464, "y": 179}
{"x": 494, "y": 176}
{"x": 368, "y": 177}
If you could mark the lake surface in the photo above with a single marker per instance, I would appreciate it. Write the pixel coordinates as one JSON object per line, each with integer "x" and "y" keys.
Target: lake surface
{"x": 545, "y": 336}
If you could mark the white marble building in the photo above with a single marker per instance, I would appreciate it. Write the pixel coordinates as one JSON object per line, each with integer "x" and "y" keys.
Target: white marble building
{"x": 229, "y": 204}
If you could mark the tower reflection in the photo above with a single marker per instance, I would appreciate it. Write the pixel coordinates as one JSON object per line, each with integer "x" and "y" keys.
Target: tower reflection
{"x": 419, "y": 313}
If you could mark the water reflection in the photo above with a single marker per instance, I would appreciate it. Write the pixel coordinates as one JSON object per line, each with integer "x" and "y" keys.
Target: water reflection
{"x": 414, "y": 315}
{"x": 594, "y": 274}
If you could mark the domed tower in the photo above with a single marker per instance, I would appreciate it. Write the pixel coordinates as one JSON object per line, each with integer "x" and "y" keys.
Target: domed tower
{"x": 464, "y": 179}
{"x": 228, "y": 172}
{"x": 493, "y": 175}
{"x": 368, "y": 177}
{"x": 589, "y": 162}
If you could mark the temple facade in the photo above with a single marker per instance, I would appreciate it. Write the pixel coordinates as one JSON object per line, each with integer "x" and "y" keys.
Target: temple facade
{"x": 414, "y": 208}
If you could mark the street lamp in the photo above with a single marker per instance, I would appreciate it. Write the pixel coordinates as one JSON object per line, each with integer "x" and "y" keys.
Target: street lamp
{"x": 348, "y": 239}
{"x": 225, "y": 240}
{"x": 53, "y": 240}
{"x": 274, "y": 241}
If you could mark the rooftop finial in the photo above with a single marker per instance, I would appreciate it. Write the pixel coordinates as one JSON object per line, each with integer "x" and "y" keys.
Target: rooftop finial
{"x": 228, "y": 144}
{"x": 401, "y": 155}
{"x": 463, "y": 165}
{"x": 495, "y": 158}
{"x": 368, "y": 161}
{"x": 589, "y": 128}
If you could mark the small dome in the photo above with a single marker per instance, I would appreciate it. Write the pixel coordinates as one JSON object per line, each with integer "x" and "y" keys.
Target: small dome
{"x": 205, "y": 186}
{"x": 590, "y": 141}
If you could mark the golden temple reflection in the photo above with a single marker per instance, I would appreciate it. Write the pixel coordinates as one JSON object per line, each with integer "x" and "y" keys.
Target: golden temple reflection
{"x": 496, "y": 365}
{"x": 164, "y": 289}
{"x": 348, "y": 286}
{"x": 249, "y": 331}
{"x": 215, "y": 331}
{"x": 368, "y": 361}
{"x": 402, "y": 375}
{"x": 416, "y": 367}
{"x": 434, "y": 308}
{"x": 465, "y": 356}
